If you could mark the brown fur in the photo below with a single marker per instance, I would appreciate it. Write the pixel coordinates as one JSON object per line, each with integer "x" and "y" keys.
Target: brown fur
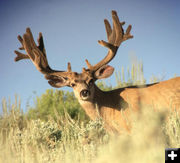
{"x": 115, "y": 106}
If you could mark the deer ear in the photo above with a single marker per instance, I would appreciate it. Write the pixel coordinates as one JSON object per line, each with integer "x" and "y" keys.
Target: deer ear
{"x": 104, "y": 72}
{"x": 57, "y": 81}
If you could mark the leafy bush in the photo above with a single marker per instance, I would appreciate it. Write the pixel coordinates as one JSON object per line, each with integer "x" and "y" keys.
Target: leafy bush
{"x": 54, "y": 102}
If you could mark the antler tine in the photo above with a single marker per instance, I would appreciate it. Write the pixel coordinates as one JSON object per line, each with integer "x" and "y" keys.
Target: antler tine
{"x": 20, "y": 56}
{"x": 118, "y": 30}
{"x": 21, "y": 41}
{"x": 127, "y": 35}
{"x": 109, "y": 31}
{"x": 69, "y": 67}
{"x": 115, "y": 37}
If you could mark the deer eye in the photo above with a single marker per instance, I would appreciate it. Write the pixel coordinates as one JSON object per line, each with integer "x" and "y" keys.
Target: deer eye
{"x": 73, "y": 85}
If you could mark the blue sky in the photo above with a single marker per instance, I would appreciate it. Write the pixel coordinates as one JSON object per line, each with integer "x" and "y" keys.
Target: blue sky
{"x": 71, "y": 29}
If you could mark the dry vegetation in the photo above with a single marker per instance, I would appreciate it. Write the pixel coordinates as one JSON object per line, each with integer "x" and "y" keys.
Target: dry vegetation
{"x": 66, "y": 140}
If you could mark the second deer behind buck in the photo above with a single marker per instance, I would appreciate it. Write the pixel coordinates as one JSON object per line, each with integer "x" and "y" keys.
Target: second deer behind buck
{"x": 115, "y": 106}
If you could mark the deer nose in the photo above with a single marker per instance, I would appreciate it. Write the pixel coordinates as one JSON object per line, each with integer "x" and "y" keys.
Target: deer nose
{"x": 85, "y": 93}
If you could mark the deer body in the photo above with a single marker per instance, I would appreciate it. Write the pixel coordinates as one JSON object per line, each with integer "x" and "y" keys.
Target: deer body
{"x": 116, "y": 106}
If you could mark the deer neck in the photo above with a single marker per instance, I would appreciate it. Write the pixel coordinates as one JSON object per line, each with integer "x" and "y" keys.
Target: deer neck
{"x": 101, "y": 102}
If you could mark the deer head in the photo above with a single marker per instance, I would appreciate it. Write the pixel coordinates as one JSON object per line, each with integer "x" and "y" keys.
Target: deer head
{"x": 82, "y": 83}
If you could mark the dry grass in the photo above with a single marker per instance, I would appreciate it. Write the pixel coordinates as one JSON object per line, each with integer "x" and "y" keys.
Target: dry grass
{"x": 66, "y": 140}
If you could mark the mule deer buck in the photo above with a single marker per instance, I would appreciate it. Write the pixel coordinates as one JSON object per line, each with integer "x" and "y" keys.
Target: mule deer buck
{"x": 114, "y": 107}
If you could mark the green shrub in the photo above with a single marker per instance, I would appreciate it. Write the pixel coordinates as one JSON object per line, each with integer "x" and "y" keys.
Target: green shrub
{"x": 56, "y": 101}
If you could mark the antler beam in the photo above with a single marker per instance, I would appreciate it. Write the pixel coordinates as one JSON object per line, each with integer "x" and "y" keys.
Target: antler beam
{"x": 115, "y": 37}
{"x": 36, "y": 53}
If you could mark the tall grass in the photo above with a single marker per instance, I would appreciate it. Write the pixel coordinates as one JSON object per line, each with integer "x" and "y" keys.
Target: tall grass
{"x": 66, "y": 140}
{"x": 62, "y": 140}
{"x": 135, "y": 76}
